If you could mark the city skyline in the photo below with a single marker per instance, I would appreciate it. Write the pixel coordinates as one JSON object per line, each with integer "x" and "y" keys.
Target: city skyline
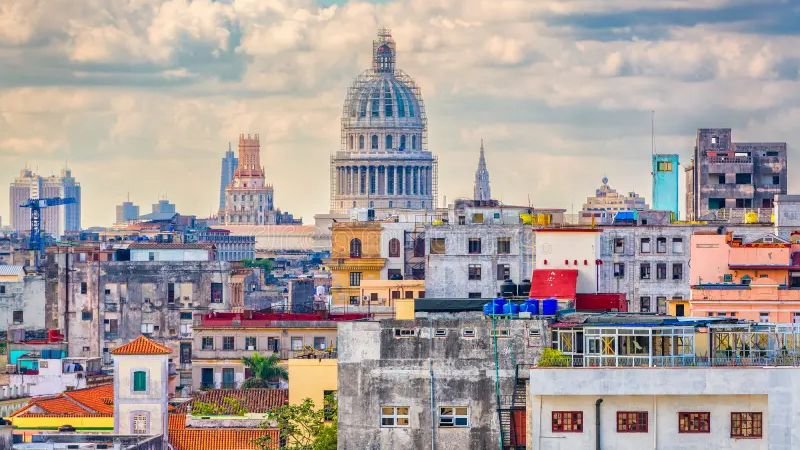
{"x": 144, "y": 99}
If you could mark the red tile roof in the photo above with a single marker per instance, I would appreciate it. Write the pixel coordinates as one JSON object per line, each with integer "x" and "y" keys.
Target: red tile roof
{"x": 256, "y": 401}
{"x": 142, "y": 346}
{"x": 176, "y": 421}
{"x": 220, "y": 438}
{"x": 97, "y": 401}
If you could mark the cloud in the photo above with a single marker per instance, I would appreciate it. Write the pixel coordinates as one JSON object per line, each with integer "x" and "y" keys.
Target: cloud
{"x": 145, "y": 96}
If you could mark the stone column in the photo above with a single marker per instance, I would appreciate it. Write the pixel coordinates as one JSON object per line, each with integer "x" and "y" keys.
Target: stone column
{"x": 381, "y": 180}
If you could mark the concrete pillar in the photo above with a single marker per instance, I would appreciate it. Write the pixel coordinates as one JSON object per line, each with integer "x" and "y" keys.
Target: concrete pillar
{"x": 381, "y": 180}
{"x": 400, "y": 175}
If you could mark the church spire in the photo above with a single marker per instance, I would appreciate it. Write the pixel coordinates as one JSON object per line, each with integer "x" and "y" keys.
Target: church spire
{"x": 482, "y": 191}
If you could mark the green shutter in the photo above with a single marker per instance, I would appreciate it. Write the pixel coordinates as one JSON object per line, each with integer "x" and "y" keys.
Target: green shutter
{"x": 139, "y": 381}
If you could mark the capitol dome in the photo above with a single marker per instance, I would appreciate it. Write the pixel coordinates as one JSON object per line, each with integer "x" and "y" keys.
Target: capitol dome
{"x": 383, "y": 110}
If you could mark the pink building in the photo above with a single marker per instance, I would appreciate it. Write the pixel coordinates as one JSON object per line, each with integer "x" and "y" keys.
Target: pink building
{"x": 757, "y": 279}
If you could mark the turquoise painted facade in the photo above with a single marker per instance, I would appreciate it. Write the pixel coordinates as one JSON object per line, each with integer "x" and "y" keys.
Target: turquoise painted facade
{"x": 665, "y": 183}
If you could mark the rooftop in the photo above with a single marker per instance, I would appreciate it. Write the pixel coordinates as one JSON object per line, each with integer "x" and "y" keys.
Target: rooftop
{"x": 141, "y": 346}
{"x": 95, "y": 401}
{"x": 267, "y": 319}
{"x": 253, "y": 400}
{"x": 169, "y": 245}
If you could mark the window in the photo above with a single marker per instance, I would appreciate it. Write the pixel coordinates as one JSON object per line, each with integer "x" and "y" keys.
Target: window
{"x": 361, "y": 142}
{"x": 394, "y": 416}
{"x": 2, "y": 289}
{"x": 474, "y": 295}
{"x": 677, "y": 271}
{"x": 776, "y": 180}
{"x": 619, "y": 270}
{"x": 567, "y": 421}
{"x": 139, "y": 381}
{"x": 438, "y": 246}
{"x": 273, "y": 344}
{"x": 644, "y": 304}
{"x": 250, "y": 343}
{"x": 694, "y": 422}
{"x": 216, "y": 292}
{"x": 355, "y": 248}
{"x": 715, "y": 139}
{"x": 477, "y": 218}
{"x": 716, "y": 203}
{"x": 394, "y": 274}
{"x": 743, "y": 178}
{"x": 186, "y": 316}
{"x": 140, "y": 424}
{"x": 297, "y": 343}
{"x": 661, "y": 271}
{"x": 354, "y": 300}
{"x": 644, "y": 245}
{"x": 763, "y": 317}
{"x": 151, "y": 256}
{"x": 677, "y": 245}
{"x": 474, "y": 246}
{"x": 227, "y": 342}
{"x": 402, "y": 141}
{"x": 374, "y": 142}
{"x": 661, "y": 304}
{"x": 84, "y": 287}
{"x": 744, "y": 202}
{"x": 319, "y": 343}
{"x": 664, "y": 166}
{"x": 389, "y": 142}
{"x": 419, "y": 247}
{"x": 619, "y": 245}
{"x": 440, "y": 332}
{"x": 404, "y": 332}
{"x": 661, "y": 245}
{"x": 394, "y": 248}
{"x": 170, "y": 292}
{"x": 468, "y": 332}
{"x": 355, "y": 278}
{"x": 453, "y": 416}
{"x": 500, "y": 332}
{"x": 207, "y": 343}
{"x": 147, "y": 328}
{"x": 746, "y": 424}
{"x": 474, "y": 272}
{"x": 17, "y": 317}
{"x": 228, "y": 378}
{"x": 503, "y": 272}
{"x": 503, "y": 246}
{"x": 631, "y": 421}
{"x": 644, "y": 271}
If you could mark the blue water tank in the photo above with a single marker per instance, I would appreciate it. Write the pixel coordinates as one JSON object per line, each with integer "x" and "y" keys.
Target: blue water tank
{"x": 487, "y": 309}
{"x": 531, "y": 305}
{"x": 549, "y": 307}
{"x": 511, "y": 308}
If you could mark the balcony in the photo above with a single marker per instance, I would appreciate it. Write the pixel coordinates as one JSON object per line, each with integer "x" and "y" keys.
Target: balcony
{"x": 111, "y": 307}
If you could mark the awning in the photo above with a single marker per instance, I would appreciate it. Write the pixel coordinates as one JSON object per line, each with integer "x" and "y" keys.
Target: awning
{"x": 558, "y": 283}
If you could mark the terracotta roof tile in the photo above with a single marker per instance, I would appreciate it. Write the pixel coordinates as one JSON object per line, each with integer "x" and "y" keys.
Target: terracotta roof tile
{"x": 141, "y": 346}
{"x": 89, "y": 402}
{"x": 222, "y": 438}
{"x": 254, "y": 400}
{"x": 176, "y": 422}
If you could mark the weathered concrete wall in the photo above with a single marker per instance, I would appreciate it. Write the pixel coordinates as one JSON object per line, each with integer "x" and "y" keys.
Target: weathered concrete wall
{"x": 27, "y": 296}
{"x": 423, "y": 372}
{"x": 447, "y": 274}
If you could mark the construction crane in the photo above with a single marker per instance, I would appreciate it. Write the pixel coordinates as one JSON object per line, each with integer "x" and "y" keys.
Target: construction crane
{"x": 36, "y": 204}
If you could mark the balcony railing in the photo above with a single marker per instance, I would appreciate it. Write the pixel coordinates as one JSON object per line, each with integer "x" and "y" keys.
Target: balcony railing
{"x": 680, "y": 361}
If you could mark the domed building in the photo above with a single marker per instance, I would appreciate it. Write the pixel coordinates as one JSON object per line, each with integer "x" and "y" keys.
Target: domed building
{"x": 384, "y": 162}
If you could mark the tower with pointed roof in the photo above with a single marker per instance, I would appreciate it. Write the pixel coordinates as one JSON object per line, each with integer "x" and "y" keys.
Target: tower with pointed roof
{"x": 482, "y": 190}
{"x": 141, "y": 376}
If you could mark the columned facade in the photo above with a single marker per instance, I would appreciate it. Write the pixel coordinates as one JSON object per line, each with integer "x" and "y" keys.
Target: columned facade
{"x": 384, "y": 163}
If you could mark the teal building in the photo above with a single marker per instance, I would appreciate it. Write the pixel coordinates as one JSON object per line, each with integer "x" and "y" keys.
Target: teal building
{"x": 665, "y": 183}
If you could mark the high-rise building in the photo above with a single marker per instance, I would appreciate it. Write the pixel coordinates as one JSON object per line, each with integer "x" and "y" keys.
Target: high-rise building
{"x": 248, "y": 199}
{"x": 665, "y": 183}
{"x": 127, "y": 212}
{"x": 229, "y": 164}
{"x": 607, "y": 202}
{"x": 56, "y": 221}
{"x": 482, "y": 190}
{"x": 725, "y": 176}
{"x": 163, "y": 207}
{"x": 383, "y": 162}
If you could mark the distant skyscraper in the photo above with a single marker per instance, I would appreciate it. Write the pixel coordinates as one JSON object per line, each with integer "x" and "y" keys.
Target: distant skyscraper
{"x": 248, "y": 199}
{"x": 665, "y": 183}
{"x": 56, "y": 221}
{"x": 127, "y": 212}
{"x": 482, "y": 190}
{"x": 163, "y": 207}
{"x": 229, "y": 164}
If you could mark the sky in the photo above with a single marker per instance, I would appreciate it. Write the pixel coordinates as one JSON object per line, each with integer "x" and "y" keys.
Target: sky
{"x": 142, "y": 97}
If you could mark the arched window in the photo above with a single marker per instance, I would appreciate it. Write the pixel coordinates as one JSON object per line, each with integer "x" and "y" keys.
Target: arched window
{"x": 140, "y": 381}
{"x": 413, "y": 141}
{"x": 374, "y": 141}
{"x": 402, "y": 142}
{"x": 355, "y": 248}
{"x": 394, "y": 248}
{"x": 361, "y": 142}
{"x": 389, "y": 142}
{"x": 350, "y": 142}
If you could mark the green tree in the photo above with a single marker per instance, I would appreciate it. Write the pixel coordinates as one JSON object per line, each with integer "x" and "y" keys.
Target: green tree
{"x": 265, "y": 369}
{"x": 264, "y": 264}
{"x": 230, "y": 407}
{"x": 551, "y": 357}
{"x": 303, "y": 426}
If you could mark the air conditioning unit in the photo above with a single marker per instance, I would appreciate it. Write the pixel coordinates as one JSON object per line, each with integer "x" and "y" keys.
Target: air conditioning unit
{"x": 251, "y": 347}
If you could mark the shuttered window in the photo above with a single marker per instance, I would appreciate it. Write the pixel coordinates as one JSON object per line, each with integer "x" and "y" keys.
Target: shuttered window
{"x": 139, "y": 381}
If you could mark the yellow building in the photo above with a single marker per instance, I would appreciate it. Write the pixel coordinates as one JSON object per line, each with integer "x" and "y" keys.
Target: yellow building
{"x": 355, "y": 256}
{"x": 312, "y": 378}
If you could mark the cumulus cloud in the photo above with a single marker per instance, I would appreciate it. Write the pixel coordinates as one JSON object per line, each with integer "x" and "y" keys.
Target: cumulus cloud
{"x": 144, "y": 96}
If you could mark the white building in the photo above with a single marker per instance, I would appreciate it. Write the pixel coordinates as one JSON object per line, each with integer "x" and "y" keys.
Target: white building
{"x": 141, "y": 369}
{"x": 54, "y": 376}
{"x": 607, "y": 202}
{"x": 570, "y": 249}
{"x": 384, "y": 162}
{"x": 171, "y": 252}
{"x": 22, "y": 299}
{"x": 664, "y": 408}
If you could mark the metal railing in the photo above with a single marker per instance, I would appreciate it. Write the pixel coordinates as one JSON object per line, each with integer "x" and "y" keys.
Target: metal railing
{"x": 672, "y": 361}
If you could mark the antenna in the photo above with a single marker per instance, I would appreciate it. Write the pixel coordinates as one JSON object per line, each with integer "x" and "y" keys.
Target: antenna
{"x": 652, "y": 132}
